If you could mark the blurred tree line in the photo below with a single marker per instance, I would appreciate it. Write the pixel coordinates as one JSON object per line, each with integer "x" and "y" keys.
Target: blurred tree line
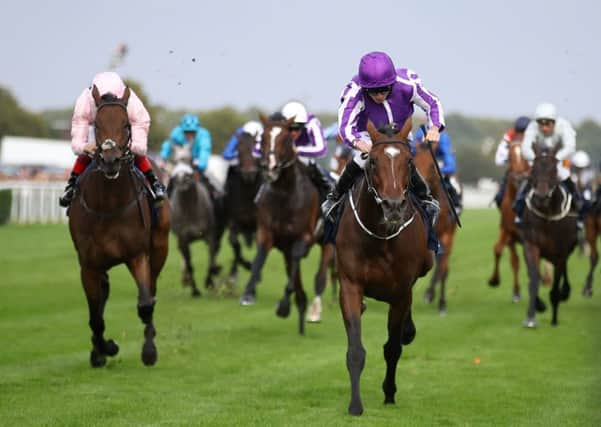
{"x": 474, "y": 139}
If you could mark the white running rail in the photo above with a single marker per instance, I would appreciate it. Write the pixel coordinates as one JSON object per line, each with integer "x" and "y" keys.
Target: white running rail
{"x": 35, "y": 202}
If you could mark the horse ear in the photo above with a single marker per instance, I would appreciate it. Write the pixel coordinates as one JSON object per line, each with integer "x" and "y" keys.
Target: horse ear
{"x": 96, "y": 95}
{"x": 125, "y": 97}
{"x": 372, "y": 131}
{"x": 557, "y": 147}
{"x": 290, "y": 121}
{"x": 264, "y": 120}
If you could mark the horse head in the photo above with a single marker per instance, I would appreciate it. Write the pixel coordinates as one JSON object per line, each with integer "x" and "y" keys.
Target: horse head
{"x": 387, "y": 172}
{"x": 543, "y": 177}
{"x": 113, "y": 132}
{"x": 278, "y": 151}
{"x": 247, "y": 163}
{"x": 182, "y": 177}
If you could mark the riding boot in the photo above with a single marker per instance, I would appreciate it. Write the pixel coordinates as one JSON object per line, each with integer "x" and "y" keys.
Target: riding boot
{"x": 422, "y": 191}
{"x": 157, "y": 186}
{"x": 501, "y": 192}
{"x": 67, "y": 197}
{"x": 520, "y": 201}
{"x": 351, "y": 172}
{"x": 320, "y": 178}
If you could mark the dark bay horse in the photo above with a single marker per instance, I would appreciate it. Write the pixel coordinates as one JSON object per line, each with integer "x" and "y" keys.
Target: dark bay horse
{"x": 517, "y": 171}
{"x": 287, "y": 214}
{"x": 193, "y": 218}
{"x": 381, "y": 250}
{"x": 549, "y": 230}
{"x": 445, "y": 225}
{"x": 592, "y": 230}
{"x": 110, "y": 224}
{"x": 241, "y": 187}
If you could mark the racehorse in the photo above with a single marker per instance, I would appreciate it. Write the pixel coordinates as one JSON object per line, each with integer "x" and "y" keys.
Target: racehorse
{"x": 381, "y": 250}
{"x": 111, "y": 222}
{"x": 241, "y": 186}
{"x": 592, "y": 230}
{"x": 287, "y": 214}
{"x": 549, "y": 230}
{"x": 193, "y": 218}
{"x": 445, "y": 225}
{"x": 518, "y": 171}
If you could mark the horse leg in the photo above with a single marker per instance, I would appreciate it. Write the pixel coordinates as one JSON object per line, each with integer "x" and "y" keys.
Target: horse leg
{"x": 591, "y": 238}
{"x": 96, "y": 287}
{"x": 140, "y": 269}
{"x": 293, "y": 257}
{"x": 498, "y": 251}
{"x": 235, "y": 244}
{"x": 393, "y": 348}
{"x": 334, "y": 279}
{"x": 515, "y": 267}
{"x": 300, "y": 298}
{"x": 532, "y": 256}
{"x": 430, "y": 293}
{"x": 555, "y": 294}
{"x": 327, "y": 255}
{"x": 214, "y": 268}
{"x": 263, "y": 247}
{"x": 351, "y": 295}
{"x": 564, "y": 293}
{"x": 447, "y": 242}
{"x": 188, "y": 277}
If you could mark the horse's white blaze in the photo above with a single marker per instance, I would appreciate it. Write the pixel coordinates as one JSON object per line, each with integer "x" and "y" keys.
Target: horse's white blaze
{"x": 392, "y": 152}
{"x": 108, "y": 144}
{"x": 275, "y": 131}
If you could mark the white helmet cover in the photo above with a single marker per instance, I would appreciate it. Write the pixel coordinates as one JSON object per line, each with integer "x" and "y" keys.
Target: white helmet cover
{"x": 253, "y": 128}
{"x": 581, "y": 159}
{"x": 546, "y": 111}
{"x": 296, "y": 110}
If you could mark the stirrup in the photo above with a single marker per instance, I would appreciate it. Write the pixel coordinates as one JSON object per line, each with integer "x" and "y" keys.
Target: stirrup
{"x": 432, "y": 208}
{"x": 329, "y": 206}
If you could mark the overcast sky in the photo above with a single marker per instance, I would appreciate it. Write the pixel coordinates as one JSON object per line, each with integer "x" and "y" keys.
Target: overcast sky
{"x": 487, "y": 59}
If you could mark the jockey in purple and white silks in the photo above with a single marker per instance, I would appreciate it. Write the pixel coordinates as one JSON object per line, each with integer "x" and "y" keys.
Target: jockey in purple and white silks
{"x": 307, "y": 134}
{"x": 384, "y": 95}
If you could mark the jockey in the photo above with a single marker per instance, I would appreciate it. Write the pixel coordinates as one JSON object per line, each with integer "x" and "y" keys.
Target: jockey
{"x": 446, "y": 157}
{"x": 253, "y": 128}
{"x": 189, "y": 140}
{"x": 513, "y": 135}
{"x": 549, "y": 129}
{"x": 82, "y": 125}
{"x": 583, "y": 176}
{"x": 384, "y": 95}
{"x": 307, "y": 135}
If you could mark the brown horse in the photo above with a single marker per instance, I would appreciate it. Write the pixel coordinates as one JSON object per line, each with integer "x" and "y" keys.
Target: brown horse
{"x": 445, "y": 225}
{"x": 241, "y": 186}
{"x": 592, "y": 230}
{"x": 287, "y": 213}
{"x": 549, "y": 230}
{"x": 517, "y": 171}
{"x": 110, "y": 223}
{"x": 381, "y": 250}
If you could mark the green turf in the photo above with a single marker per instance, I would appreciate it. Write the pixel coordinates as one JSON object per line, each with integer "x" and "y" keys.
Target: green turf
{"x": 222, "y": 364}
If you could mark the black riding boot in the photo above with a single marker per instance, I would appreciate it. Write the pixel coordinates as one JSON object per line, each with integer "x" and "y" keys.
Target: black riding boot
{"x": 430, "y": 205}
{"x": 501, "y": 192}
{"x": 351, "y": 172}
{"x": 320, "y": 178}
{"x": 67, "y": 197}
{"x": 520, "y": 201}
{"x": 157, "y": 186}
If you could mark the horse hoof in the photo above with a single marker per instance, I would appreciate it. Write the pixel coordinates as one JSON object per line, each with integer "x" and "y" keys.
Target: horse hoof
{"x": 149, "y": 353}
{"x": 530, "y": 323}
{"x": 196, "y": 293}
{"x": 587, "y": 292}
{"x": 283, "y": 309}
{"x": 494, "y": 282}
{"x": 564, "y": 294}
{"x": 515, "y": 298}
{"x": 540, "y": 305}
{"x": 232, "y": 279}
{"x": 246, "y": 300}
{"x": 389, "y": 400}
{"x": 110, "y": 348}
{"x": 247, "y": 265}
{"x": 216, "y": 269}
{"x": 97, "y": 359}
{"x": 442, "y": 311}
{"x": 355, "y": 409}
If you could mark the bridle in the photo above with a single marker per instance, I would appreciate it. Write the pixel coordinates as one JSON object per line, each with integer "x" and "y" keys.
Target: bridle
{"x": 109, "y": 144}
{"x": 370, "y": 187}
{"x": 278, "y": 167}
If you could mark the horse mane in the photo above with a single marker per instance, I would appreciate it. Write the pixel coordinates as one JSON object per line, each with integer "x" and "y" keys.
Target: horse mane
{"x": 109, "y": 97}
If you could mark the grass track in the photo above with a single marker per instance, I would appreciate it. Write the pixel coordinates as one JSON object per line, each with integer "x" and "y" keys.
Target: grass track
{"x": 221, "y": 364}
